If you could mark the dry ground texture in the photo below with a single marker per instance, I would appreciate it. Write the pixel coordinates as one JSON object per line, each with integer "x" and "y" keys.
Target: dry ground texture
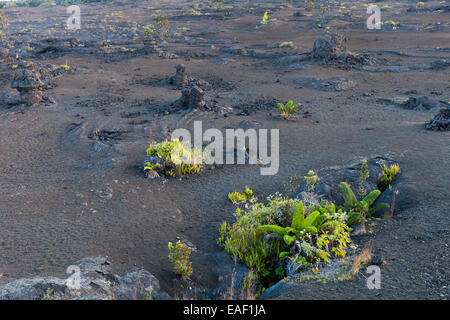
{"x": 64, "y": 197}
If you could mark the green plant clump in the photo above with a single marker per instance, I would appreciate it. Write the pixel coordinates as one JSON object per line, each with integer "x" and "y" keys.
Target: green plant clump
{"x": 178, "y": 159}
{"x": 158, "y": 30}
{"x": 283, "y": 236}
{"x": 311, "y": 180}
{"x": 179, "y": 256}
{"x": 240, "y": 197}
{"x": 389, "y": 173}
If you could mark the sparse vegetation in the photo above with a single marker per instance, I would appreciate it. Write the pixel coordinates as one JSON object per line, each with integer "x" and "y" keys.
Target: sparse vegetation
{"x": 158, "y": 30}
{"x": 174, "y": 159}
{"x": 311, "y": 180}
{"x": 179, "y": 256}
{"x": 192, "y": 12}
{"x": 309, "y": 5}
{"x": 364, "y": 174}
{"x": 241, "y": 197}
{"x": 265, "y": 18}
{"x": 229, "y": 78}
{"x": 283, "y": 237}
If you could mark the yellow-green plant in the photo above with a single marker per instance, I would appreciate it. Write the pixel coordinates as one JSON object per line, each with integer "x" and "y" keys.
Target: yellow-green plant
{"x": 237, "y": 197}
{"x": 179, "y": 256}
{"x": 260, "y": 239}
{"x": 158, "y": 30}
{"x": 180, "y": 159}
{"x": 265, "y": 18}
{"x": 241, "y": 197}
{"x": 248, "y": 191}
{"x": 309, "y": 5}
{"x": 311, "y": 180}
{"x": 419, "y": 5}
{"x": 364, "y": 174}
{"x": 151, "y": 168}
{"x": 148, "y": 31}
{"x": 287, "y": 109}
{"x": 389, "y": 173}
{"x": 192, "y": 12}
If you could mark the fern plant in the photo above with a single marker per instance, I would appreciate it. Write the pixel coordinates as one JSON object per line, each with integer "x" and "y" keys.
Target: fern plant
{"x": 300, "y": 225}
{"x": 360, "y": 210}
{"x": 287, "y": 109}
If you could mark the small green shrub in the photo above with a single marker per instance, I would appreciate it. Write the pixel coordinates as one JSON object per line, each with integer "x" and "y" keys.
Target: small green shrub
{"x": 266, "y": 236}
{"x": 192, "y": 12}
{"x": 240, "y": 197}
{"x": 265, "y": 18}
{"x": 179, "y": 256}
{"x": 219, "y": 4}
{"x": 158, "y": 30}
{"x": 389, "y": 173}
{"x": 49, "y": 295}
{"x": 364, "y": 174}
{"x": 237, "y": 197}
{"x": 311, "y": 180}
{"x": 179, "y": 159}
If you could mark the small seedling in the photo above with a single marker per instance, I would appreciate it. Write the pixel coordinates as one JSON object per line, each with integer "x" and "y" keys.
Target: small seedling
{"x": 265, "y": 18}
{"x": 364, "y": 175}
{"x": 311, "y": 180}
{"x": 287, "y": 109}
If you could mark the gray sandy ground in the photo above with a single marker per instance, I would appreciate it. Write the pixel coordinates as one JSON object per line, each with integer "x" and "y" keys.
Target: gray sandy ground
{"x": 62, "y": 199}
